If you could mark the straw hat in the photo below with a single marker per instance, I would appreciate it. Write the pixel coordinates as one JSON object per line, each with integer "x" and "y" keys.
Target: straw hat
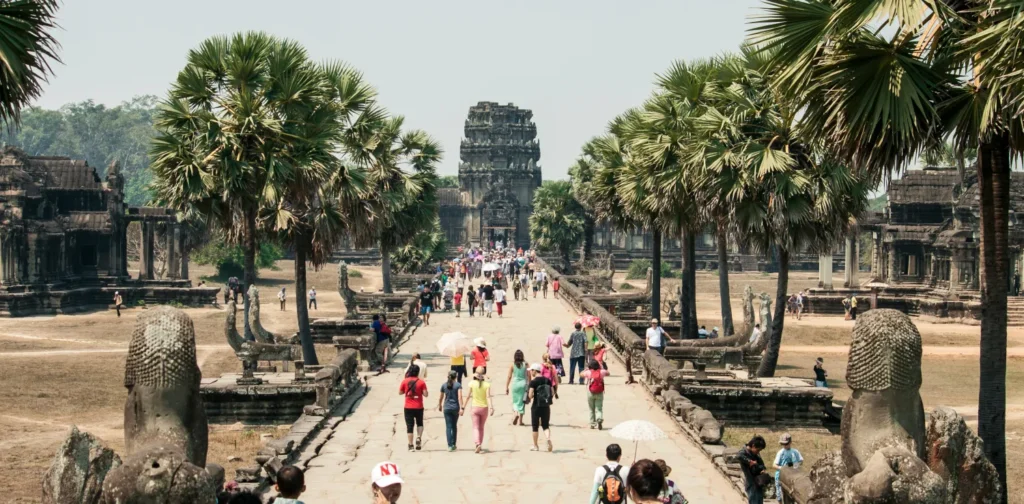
{"x": 480, "y": 343}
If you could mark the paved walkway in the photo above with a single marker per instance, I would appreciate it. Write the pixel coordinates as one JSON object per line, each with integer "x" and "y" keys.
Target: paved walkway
{"x": 507, "y": 472}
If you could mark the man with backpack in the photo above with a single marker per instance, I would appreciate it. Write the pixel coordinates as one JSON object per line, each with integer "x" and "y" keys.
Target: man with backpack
{"x": 541, "y": 395}
{"x": 610, "y": 479}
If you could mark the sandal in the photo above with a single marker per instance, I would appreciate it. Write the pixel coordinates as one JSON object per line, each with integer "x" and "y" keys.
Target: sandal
{"x": 478, "y": 448}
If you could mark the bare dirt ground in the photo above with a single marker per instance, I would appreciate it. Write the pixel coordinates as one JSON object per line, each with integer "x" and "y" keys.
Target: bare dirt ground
{"x": 69, "y": 369}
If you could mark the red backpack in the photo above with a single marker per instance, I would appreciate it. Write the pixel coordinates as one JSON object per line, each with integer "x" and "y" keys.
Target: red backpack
{"x": 596, "y": 383}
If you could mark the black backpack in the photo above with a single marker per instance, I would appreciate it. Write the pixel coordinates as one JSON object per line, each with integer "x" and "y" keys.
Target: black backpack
{"x": 542, "y": 395}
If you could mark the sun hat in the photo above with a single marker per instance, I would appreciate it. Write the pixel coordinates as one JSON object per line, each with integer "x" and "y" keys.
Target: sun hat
{"x": 714, "y": 328}
{"x": 385, "y": 474}
{"x": 480, "y": 342}
{"x": 654, "y": 321}
{"x": 785, "y": 439}
{"x": 535, "y": 367}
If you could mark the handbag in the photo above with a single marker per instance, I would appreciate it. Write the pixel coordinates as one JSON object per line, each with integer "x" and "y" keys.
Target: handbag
{"x": 762, "y": 479}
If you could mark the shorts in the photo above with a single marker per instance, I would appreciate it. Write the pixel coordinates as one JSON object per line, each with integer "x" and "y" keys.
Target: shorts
{"x": 424, "y": 310}
{"x": 540, "y": 417}
{"x": 413, "y": 416}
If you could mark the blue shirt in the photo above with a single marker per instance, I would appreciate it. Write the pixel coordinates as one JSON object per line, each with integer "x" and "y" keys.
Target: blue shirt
{"x": 451, "y": 396}
{"x": 376, "y": 326}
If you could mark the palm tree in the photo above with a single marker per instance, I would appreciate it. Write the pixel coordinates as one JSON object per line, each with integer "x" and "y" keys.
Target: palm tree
{"x": 324, "y": 199}
{"x": 235, "y": 126}
{"x": 26, "y": 48}
{"x": 942, "y": 69}
{"x": 428, "y": 247}
{"x": 404, "y": 203}
{"x": 557, "y": 221}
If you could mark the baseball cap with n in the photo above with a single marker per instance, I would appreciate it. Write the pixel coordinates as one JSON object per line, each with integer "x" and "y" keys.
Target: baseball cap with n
{"x": 386, "y": 474}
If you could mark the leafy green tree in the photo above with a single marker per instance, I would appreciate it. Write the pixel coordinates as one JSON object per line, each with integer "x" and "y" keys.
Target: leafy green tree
{"x": 881, "y": 96}
{"x": 401, "y": 178}
{"x": 96, "y": 133}
{"x": 26, "y": 48}
{"x": 448, "y": 182}
{"x": 427, "y": 248}
{"x": 236, "y": 126}
{"x": 556, "y": 223}
{"x": 229, "y": 258}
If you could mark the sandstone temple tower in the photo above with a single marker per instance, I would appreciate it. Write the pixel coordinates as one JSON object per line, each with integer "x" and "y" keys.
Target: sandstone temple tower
{"x": 497, "y": 178}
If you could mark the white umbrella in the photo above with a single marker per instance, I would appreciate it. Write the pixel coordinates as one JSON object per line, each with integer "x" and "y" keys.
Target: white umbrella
{"x": 454, "y": 344}
{"x": 636, "y": 431}
{"x": 491, "y": 267}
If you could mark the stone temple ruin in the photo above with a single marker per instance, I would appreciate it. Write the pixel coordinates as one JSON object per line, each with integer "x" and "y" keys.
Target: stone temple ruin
{"x": 63, "y": 240}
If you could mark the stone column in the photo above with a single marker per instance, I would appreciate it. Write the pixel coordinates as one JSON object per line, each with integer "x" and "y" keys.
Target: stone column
{"x": 146, "y": 261}
{"x": 825, "y": 271}
{"x": 891, "y": 264}
{"x": 183, "y": 252}
{"x": 33, "y": 259}
{"x": 854, "y": 282}
{"x": 172, "y": 251}
{"x": 849, "y": 277}
{"x": 954, "y": 270}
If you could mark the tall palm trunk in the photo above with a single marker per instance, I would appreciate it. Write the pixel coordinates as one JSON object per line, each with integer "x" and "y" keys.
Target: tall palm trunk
{"x": 994, "y": 184}
{"x": 608, "y": 237}
{"x": 249, "y": 269}
{"x": 588, "y": 237}
{"x": 723, "y": 279}
{"x": 771, "y": 356}
{"x": 688, "y": 310}
{"x": 385, "y": 267}
{"x": 684, "y": 290}
{"x": 301, "y": 308}
{"x": 566, "y": 261}
{"x": 656, "y": 274}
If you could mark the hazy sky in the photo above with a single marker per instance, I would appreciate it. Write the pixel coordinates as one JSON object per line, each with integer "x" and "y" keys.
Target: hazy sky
{"x": 576, "y": 63}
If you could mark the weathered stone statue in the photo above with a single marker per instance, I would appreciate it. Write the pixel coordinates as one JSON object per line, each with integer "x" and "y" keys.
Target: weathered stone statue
{"x": 347, "y": 294}
{"x": 78, "y": 470}
{"x": 887, "y": 454}
{"x": 251, "y": 352}
{"x": 255, "y": 326}
{"x": 165, "y": 428}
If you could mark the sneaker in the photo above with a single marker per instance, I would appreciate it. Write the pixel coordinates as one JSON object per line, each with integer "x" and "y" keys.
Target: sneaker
{"x": 592, "y": 426}
{"x": 417, "y": 444}
{"x": 600, "y": 424}
{"x": 534, "y": 448}
{"x": 410, "y": 447}
{"x": 550, "y": 446}
{"x": 478, "y": 448}
{"x": 451, "y": 448}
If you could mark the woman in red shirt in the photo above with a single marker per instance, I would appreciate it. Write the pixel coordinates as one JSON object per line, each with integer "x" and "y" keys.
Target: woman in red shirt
{"x": 480, "y": 355}
{"x": 599, "y": 351}
{"x": 414, "y": 390}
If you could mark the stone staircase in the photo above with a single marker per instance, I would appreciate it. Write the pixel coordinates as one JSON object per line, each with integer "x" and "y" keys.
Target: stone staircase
{"x": 1015, "y": 311}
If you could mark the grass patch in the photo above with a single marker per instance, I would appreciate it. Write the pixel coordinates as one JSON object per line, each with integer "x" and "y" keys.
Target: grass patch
{"x": 626, "y": 286}
{"x": 354, "y": 274}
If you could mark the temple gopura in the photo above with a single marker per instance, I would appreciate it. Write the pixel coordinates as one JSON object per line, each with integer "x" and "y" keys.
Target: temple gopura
{"x": 63, "y": 240}
{"x": 497, "y": 178}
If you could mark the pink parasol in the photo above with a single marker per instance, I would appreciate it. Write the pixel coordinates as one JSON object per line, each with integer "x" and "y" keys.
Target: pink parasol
{"x": 588, "y": 320}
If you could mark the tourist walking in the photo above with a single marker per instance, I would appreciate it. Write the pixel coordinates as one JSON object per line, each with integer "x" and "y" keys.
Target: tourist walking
{"x": 549, "y": 371}
{"x": 515, "y": 387}
{"x": 450, "y": 404}
{"x": 595, "y": 393}
{"x": 312, "y": 298}
{"x": 656, "y": 337}
{"x": 386, "y": 483}
{"x": 541, "y": 395}
{"x": 670, "y": 494}
{"x": 383, "y": 342}
{"x": 645, "y": 482}
{"x": 417, "y": 361}
{"x": 515, "y": 288}
{"x": 554, "y": 288}
{"x": 426, "y": 305}
{"x": 755, "y": 476}
{"x": 524, "y": 279}
{"x": 282, "y": 296}
{"x": 458, "y": 303}
{"x": 480, "y": 355}
{"x": 787, "y": 456}
{"x": 610, "y": 478}
{"x": 414, "y": 389}
{"x": 483, "y": 405}
{"x": 487, "y": 292}
{"x": 820, "y": 375}
{"x": 554, "y": 345}
{"x": 499, "y": 298}
{"x": 544, "y": 282}
{"x": 291, "y": 482}
{"x": 471, "y": 300}
{"x": 577, "y": 346}
{"x": 118, "y": 302}
{"x": 799, "y": 305}
{"x": 853, "y": 307}
{"x": 599, "y": 353}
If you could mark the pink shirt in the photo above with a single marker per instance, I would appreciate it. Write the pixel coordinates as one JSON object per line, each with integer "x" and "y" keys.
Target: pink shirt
{"x": 548, "y": 372}
{"x": 555, "y": 344}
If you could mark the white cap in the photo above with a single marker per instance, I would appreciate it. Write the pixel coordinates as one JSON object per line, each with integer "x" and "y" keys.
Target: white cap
{"x": 535, "y": 367}
{"x": 385, "y": 474}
